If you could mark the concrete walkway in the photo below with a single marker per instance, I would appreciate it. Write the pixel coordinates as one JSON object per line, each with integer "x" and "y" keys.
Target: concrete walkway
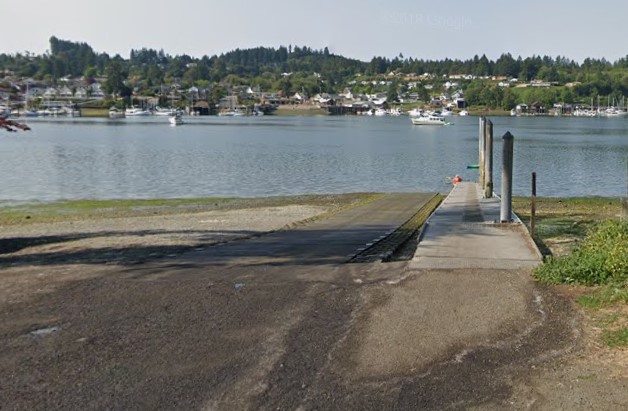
{"x": 464, "y": 233}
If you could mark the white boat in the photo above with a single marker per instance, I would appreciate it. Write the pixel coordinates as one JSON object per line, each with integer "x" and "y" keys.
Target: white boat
{"x": 232, "y": 113}
{"x": 161, "y": 111}
{"x": 416, "y": 112}
{"x": 464, "y": 113}
{"x": 136, "y": 112}
{"x": 612, "y": 112}
{"x": 430, "y": 120}
{"x": 115, "y": 113}
{"x": 176, "y": 119}
{"x": 380, "y": 112}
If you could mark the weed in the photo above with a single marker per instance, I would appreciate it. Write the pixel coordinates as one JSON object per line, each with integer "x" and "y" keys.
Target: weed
{"x": 601, "y": 258}
{"x": 604, "y": 297}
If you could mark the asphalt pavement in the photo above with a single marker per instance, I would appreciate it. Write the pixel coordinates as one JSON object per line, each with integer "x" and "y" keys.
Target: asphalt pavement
{"x": 281, "y": 321}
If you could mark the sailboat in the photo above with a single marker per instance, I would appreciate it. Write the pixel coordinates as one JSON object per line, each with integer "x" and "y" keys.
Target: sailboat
{"x": 28, "y": 112}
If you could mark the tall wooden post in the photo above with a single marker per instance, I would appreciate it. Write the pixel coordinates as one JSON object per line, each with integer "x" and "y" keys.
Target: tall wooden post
{"x": 533, "y": 206}
{"x": 488, "y": 160}
{"x": 481, "y": 150}
{"x": 507, "y": 166}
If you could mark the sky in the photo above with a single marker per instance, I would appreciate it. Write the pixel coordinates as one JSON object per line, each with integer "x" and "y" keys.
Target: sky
{"x": 358, "y": 29}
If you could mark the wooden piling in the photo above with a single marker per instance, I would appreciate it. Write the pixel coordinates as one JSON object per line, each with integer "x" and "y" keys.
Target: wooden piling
{"x": 533, "y": 206}
{"x": 481, "y": 142}
{"x": 488, "y": 159}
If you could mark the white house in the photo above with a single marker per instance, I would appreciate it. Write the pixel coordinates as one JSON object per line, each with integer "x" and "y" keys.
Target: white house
{"x": 65, "y": 92}
{"x": 81, "y": 93}
{"x": 299, "y": 96}
{"x": 97, "y": 93}
{"x": 348, "y": 94}
{"x": 50, "y": 92}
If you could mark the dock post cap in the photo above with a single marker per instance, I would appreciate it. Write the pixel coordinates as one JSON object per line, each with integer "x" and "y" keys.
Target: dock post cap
{"x": 508, "y": 135}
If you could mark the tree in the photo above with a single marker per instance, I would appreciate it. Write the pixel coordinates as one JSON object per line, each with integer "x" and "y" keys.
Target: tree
{"x": 116, "y": 77}
{"x": 509, "y": 100}
{"x": 392, "y": 94}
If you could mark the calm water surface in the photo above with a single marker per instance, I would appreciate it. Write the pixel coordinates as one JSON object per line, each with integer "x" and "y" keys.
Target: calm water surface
{"x": 250, "y": 157}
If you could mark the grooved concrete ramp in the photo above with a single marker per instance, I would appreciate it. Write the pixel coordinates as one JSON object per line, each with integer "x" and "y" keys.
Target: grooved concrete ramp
{"x": 464, "y": 233}
{"x": 335, "y": 239}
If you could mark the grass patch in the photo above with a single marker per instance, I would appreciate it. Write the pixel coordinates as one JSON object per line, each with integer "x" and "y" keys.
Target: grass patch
{"x": 94, "y": 112}
{"x": 556, "y": 217}
{"x": 616, "y": 338}
{"x": 604, "y": 297}
{"x": 590, "y": 377}
{"x": 601, "y": 258}
{"x": 85, "y": 209}
{"x": 562, "y": 222}
{"x": 586, "y": 245}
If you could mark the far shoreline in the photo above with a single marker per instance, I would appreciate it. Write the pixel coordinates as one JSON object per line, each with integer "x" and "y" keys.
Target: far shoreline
{"x": 305, "y": 110}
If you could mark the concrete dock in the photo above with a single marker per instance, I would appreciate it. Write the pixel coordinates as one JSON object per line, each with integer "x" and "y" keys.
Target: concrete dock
{"x": 464, "y": 232}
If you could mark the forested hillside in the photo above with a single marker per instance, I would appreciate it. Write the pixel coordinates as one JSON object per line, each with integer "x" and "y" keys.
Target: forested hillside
{"x": 312, "y": 71}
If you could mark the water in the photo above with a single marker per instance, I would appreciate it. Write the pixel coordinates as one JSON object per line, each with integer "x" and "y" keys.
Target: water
{"x": 267, "y": 156}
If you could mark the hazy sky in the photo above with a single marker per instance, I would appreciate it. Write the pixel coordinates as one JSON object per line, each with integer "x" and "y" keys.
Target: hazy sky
{"x": 358, "y": 29}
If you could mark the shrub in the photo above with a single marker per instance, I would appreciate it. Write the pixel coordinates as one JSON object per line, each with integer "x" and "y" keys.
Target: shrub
{"x": 601, "y": 258}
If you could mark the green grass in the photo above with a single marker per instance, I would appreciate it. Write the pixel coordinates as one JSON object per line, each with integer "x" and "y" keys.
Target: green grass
{"x": 94, "y": 112}
{"x": 85, "y": 209}
{"x": 589, "y": 246}
{"x": 616, "y": 338}
{"x": 601, "y": 258}
{"x": 606, "y": 307}
{"x": 91, "y": 208}
{"x": 604, "y": 297}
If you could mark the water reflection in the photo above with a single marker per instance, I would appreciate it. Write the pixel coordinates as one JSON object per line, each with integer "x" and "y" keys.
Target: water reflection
{"x": 212, "y": 156}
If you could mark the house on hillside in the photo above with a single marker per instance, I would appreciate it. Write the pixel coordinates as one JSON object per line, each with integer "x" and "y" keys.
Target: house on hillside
{"x": 299, "y": 97}
{"x": 81, "y": 93}
{"x": 96, "y": 91}
{"x": 65, "y": 92}
{"x": 50, "y": 92}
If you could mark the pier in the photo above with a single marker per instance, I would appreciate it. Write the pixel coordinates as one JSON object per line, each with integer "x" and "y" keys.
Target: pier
{"x": 466, "y": 232}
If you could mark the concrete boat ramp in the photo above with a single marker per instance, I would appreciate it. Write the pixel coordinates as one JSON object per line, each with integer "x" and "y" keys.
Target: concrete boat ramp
{"x": 464, "y": 233}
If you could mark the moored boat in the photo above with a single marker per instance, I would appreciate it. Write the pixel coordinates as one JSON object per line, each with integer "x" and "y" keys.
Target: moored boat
{"x": 430, "y": 120}
{"x": 115, "y": 113}
{"x": 163, "y": 111}
{"x": 136, "y": 112}
{"x": 232, "y": 113}
{"x": 176, "y": 119}
{"x": 416, "y": 112}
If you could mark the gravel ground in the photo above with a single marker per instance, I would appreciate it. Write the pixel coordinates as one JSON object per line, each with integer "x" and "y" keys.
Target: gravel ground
{"x": 40, "y": 257}
{"x": 168, "y": 231}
